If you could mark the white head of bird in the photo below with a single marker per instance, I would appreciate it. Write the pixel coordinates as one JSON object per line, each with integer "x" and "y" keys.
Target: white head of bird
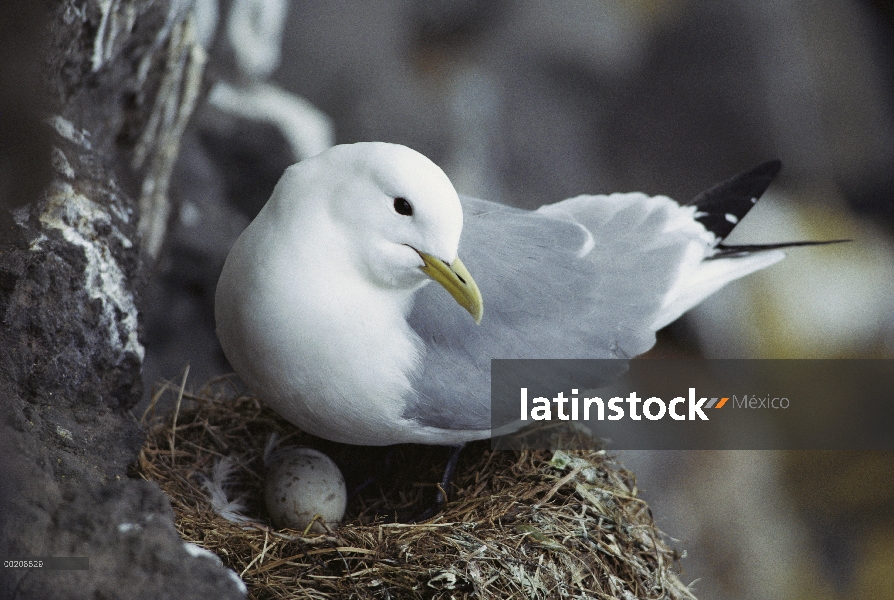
{"x": 389, "y": 204}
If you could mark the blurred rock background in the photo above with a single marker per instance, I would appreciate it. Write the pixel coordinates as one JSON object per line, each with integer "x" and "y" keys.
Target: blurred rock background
{"x": 528, "y": 103}
{"x": 94, "y": 96}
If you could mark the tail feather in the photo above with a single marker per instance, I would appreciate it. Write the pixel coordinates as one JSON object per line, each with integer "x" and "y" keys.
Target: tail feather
{"x": 719, "y": 210}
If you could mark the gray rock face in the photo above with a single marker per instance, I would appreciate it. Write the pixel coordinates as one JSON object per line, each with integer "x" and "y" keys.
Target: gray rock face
{"x": 70, "y": 349}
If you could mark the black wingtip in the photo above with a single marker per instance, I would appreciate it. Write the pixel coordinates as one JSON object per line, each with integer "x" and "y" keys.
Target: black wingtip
{"x": 722, "y": 207}
{"x": 723, "y": 251}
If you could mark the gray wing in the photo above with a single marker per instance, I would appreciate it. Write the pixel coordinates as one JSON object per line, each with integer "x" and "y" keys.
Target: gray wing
{"x": 542, "y": 299}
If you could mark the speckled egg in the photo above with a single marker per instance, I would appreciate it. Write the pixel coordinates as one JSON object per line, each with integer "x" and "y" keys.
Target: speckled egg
{"x": 301, "y": 483}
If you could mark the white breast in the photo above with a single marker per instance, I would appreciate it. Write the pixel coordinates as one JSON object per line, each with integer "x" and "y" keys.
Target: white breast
{"x": 328, "y": 352}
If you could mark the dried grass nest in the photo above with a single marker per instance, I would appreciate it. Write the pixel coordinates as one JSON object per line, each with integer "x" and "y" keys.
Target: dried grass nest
{"x": 528, "y": 524}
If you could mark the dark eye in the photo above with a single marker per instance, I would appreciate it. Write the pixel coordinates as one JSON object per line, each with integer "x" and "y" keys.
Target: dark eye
{"x": 403, "y": 207}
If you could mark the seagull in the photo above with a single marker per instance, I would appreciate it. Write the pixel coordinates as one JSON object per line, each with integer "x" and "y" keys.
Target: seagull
{"x": 346, "y": 307}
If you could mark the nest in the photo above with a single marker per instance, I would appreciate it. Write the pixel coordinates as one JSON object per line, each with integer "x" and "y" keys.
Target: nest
{"x": 533, "y": 524}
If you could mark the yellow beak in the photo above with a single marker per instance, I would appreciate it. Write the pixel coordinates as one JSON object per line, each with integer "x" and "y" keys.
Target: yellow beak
{"x": 456, "y": 280}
